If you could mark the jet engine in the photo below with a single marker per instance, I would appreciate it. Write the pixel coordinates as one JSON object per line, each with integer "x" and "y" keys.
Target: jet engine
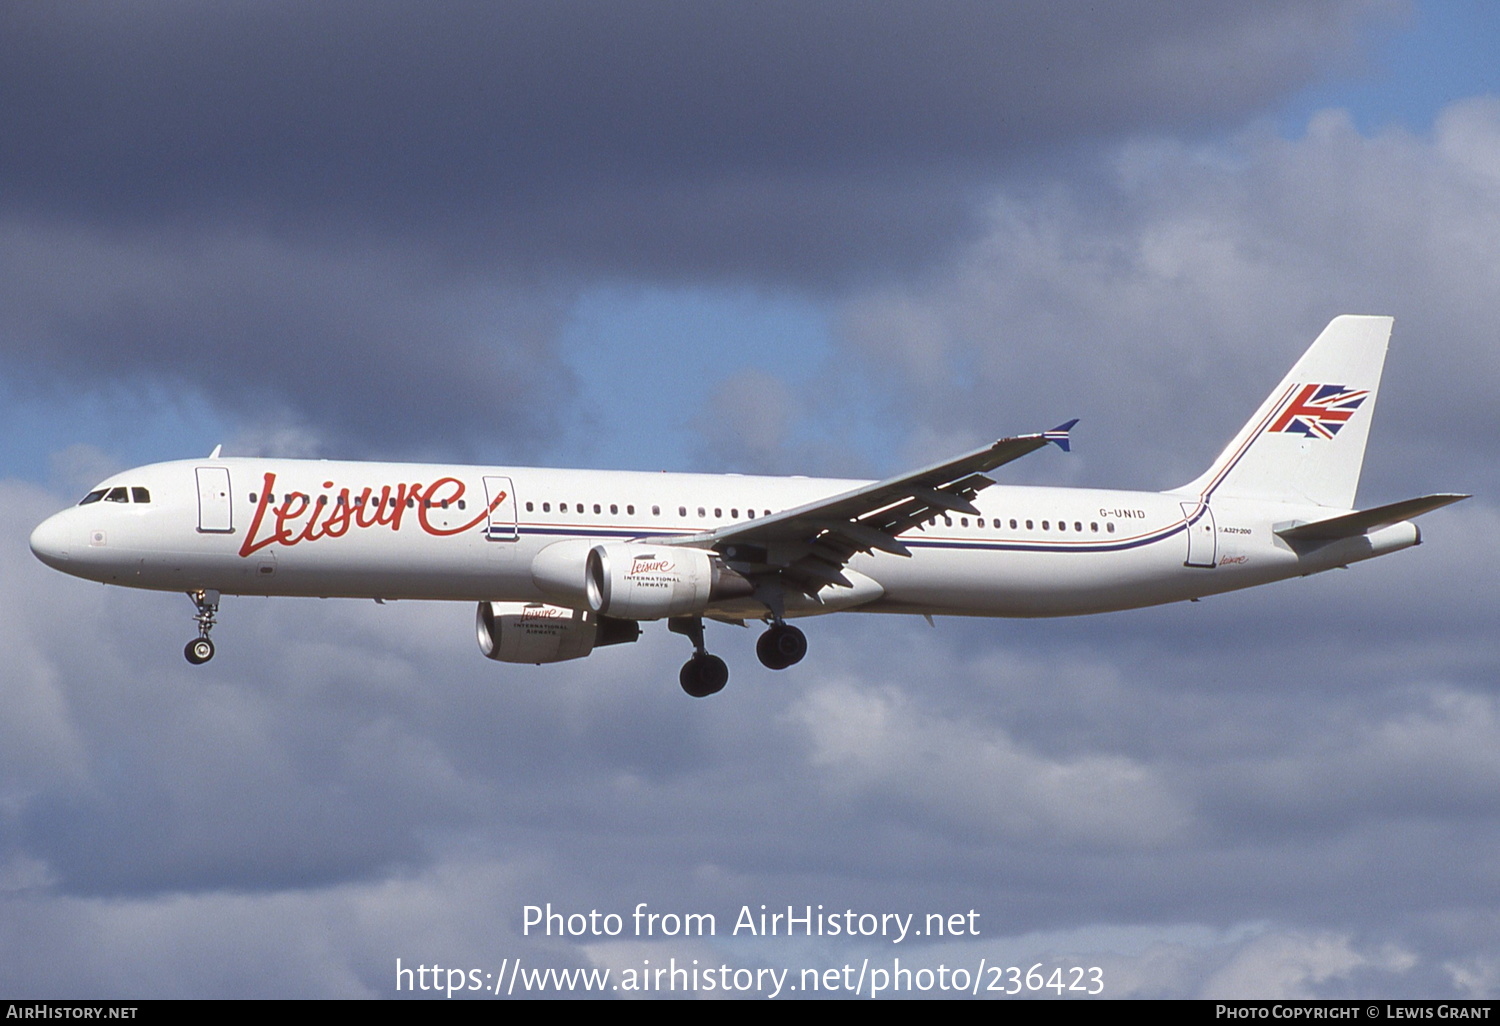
{"x": 637, "y": 580}
{"x": 533, "y": 632}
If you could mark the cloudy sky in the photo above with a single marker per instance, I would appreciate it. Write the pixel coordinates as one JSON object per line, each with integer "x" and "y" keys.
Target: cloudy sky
{"x": 835, "y": 237}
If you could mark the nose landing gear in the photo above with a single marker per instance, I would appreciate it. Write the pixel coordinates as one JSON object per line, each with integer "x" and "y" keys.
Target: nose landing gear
{"x": 201, "y": 649}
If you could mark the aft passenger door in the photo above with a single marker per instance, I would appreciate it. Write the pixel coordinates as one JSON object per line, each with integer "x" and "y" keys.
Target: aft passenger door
{"x": 215, "y": 514}
{"x": 1202, "y": 537}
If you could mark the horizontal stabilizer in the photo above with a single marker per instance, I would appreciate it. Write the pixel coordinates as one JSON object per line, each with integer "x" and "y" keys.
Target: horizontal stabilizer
{"x": 1351, "y": 524}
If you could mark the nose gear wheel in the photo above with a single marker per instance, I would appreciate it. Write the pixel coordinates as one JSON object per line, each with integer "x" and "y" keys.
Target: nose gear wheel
{"x": 201, "y": 649}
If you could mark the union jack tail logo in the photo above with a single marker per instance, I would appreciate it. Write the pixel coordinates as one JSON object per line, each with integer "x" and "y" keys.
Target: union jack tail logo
{"x": 1318, "y": 411}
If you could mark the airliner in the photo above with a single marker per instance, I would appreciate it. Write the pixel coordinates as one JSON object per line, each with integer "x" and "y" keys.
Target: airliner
{"x": 561, "y": 562}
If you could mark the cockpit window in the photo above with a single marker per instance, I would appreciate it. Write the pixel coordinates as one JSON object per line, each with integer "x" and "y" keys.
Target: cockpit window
{"x": 117, "y": 494}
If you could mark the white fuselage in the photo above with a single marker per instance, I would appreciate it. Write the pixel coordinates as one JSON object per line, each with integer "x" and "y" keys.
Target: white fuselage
{"x": 418, "y": 531}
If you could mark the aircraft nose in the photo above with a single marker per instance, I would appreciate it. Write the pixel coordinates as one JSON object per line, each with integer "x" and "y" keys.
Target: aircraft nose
{"x": 51, "y": 542}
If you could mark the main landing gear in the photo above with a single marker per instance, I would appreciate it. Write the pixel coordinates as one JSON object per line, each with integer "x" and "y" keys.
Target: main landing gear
{"x": 201, "y": 649}
{"x": 782, "y": 645}
{"x": 704, "y": 674}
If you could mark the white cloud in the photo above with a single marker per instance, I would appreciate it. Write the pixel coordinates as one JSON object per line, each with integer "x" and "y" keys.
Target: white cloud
{"x": 1297, "y": 965}
{"x": 1162, "y": 302}
{"x": 877, "y": 745}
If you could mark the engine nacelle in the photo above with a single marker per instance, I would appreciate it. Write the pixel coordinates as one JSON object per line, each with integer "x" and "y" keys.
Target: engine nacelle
{"x": 648, "y": 582}
{"x": 533, "y": 632}
{"x": 635, "y": 580}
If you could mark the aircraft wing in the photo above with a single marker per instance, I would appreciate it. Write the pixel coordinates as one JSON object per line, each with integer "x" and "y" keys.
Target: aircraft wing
{"x": 805, "y": 549}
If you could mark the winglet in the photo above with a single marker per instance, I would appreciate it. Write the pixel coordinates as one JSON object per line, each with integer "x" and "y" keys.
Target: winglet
{"x": 1059, "y": 434}
{"x": 215, "y": 454}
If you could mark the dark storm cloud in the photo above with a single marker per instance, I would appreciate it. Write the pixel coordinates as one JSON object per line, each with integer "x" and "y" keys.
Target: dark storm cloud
{"x": 374, "y": 346}
{"x": 561, "y": 129}
{"x": 365, "y": 221}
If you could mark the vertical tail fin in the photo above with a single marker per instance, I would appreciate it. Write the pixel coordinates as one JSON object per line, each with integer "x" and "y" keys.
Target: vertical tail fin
{"x": 1306, "y": 443}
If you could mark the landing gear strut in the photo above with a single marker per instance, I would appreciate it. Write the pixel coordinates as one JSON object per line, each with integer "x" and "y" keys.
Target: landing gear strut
{"x": 704, "y": 674}
{"x": 782, "y": 645}
{"x": 201, "y": 649}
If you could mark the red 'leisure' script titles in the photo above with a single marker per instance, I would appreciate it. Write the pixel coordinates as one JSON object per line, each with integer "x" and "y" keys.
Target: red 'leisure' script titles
{"x": 299, "y": 518}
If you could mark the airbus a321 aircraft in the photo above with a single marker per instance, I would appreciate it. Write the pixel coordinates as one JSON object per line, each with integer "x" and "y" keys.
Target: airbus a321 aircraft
{"x": 562, "y": 562}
